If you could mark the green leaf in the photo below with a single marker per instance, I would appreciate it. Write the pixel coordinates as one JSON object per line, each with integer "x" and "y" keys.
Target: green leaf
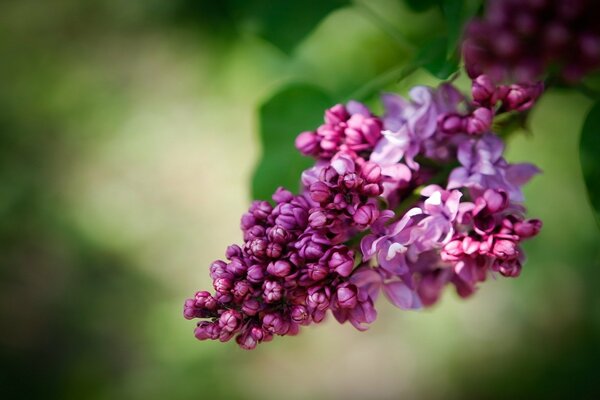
{"x": 421, "y": 5}
{"x": 293, "y": 109}
{"x": 457, "y": 14}
{"x": 589, "y": 155}
{"x": 286, "y": 23}
{"x": 433, "y": 57}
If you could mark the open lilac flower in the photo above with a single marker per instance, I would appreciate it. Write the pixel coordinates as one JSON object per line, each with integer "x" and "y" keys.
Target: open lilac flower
{"x": 483, "y": 167}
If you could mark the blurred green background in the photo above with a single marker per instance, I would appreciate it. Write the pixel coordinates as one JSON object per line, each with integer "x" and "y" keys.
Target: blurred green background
{"x": 127, "y": 145}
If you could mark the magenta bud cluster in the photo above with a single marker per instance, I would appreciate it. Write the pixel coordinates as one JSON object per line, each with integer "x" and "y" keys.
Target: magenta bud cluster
{"x": 517, "y": 40}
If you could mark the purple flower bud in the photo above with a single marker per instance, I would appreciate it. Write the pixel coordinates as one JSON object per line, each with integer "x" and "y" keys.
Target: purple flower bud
{"x": 451, "y": 123}
{"x": 279, "y": 268}
{"x": 247, "y": 221}
{"x": 246, "y": 341}
{"x": 274, "y": 250}
{"x": 257, "y": 248}
{"x": 207, "y": 330}
{"x": 522, "y": 97}
{"x": 275, "y": 324}
{"x": 261, "y": 210}
{"x": 237, "y": 267}
{"x": 230, "y": 320}
{"x": 372, "y": 189}
{"x": 483, "y": 90}
{"x": 371, "y": 171}
{"x": 480, "y": 121}
{"x": 508, "y": 268}
{"x": 223, "y": 297}
{"x": 336, "y": 114}
{"x": 495, "y": 200}
{"x": 282, "y": 195}
{"x": 254, "y": 232}
{"x": 352, "y": 180}
{"x": 241, "y": 290}
{"x": 317, "y": 271}
{"x": 453, "y": 250}
{"x": 251, "y": 307}
{"x": 233, "y": 251}
{"x": 272, "y": 291}
{"x": 307, "y": 143}
{"x": 204, "y": 299}
{"x": 277, "y": 234}
{"x": 318, "y": 298}
{"x": 347, "y": 296}
{"x": 366, "y": 215}
{"x": 218, "y": 269}
{"x": 505, "y": 249}
{"x": 528, "y": 228}
{"x": 341, "y": 261}
{"x": 319, "y": 192}
{"x": 255, "y": 273}
{"x": 470, "y": 245}
{"x": 223, "y": 285}
{"x": 257, "y": 333}
{"x": 317, "y": 218}
{"x": 299, "y": 314}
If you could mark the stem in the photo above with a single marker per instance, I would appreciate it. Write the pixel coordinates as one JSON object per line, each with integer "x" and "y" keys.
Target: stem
{"x": 393, "y": 75}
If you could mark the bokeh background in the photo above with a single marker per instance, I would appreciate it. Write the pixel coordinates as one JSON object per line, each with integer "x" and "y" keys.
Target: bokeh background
{"x": 127, "y": 145}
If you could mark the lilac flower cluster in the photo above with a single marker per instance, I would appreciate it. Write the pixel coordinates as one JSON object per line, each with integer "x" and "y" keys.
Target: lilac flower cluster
{"x": 520, "y": 39}
{"x": 347, "y": 237}
{"x": 293, "y": 265}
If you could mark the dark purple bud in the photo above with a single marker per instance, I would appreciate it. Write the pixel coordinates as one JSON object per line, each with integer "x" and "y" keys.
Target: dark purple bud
{"x": 230, "y": 320}
{"x": 261, "y": 210}
{"x": 508, "y": 268}
{"x": 318, "y": 298}
{"x": 218, "y": 269}
{"x": 347, "y": 296}
{"x": 241, "y": 290}
{"x": 451, "y": 123}
{"x": 257, "y": 333}
{"x": 207, "y": 330}
{"x": 246, "y": 341}
{"x": 307, "y": 143}
{"x": 204, "y": 299}
{"x": 371, "y": 171}
{"x": 251, "y": 307}
{"x": 522, "y": 97}
{"x": 237, "y": 267}
{"x": 372, "y": 189}
{"x": 341, "y": 261}
{"x": 317, "y": 271}
{"x": 223, "y": 285}
{"x": 279, "y": 268}
{"x": 336, "y": 114}
{"x": 254, "y": 232}
{"x": 248, "y": 221}
{"x": 275, "y": 324}
{"x": 317, "y": 218}
{"x": 282, "y": 195}
{"x": 483, "y": 90}
{"x": 352, "y": 180}
{"x": 233, "y": 251}
{"x": 299, "y": 314}
{"x": 277, "y": 234}
{"x": 257, "y": 247}
{"x": 255, "y": 273}
{"x": 528, "y": 228}
{"x": 272, "y": 291}
{"x": 366, "y": 215}
{"x": 274, "y": 250}
{"x": 505, "y": 249}
{"x": 480, "y": 121}
{"x": 319, "y": 192}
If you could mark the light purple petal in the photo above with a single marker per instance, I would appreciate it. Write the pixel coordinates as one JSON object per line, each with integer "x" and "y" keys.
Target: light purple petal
{"x": 400, "y": 295}
{"x": 520, "y": 174}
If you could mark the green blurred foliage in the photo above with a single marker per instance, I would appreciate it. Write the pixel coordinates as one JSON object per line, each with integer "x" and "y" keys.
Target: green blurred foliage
{"x": 126, "y": 139}
{"x": 590, "y": 157}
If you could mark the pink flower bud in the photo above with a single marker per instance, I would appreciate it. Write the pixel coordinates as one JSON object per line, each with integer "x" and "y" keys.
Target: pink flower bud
{"x": 279, "y": 268}
{"x": 307, "y": 143}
